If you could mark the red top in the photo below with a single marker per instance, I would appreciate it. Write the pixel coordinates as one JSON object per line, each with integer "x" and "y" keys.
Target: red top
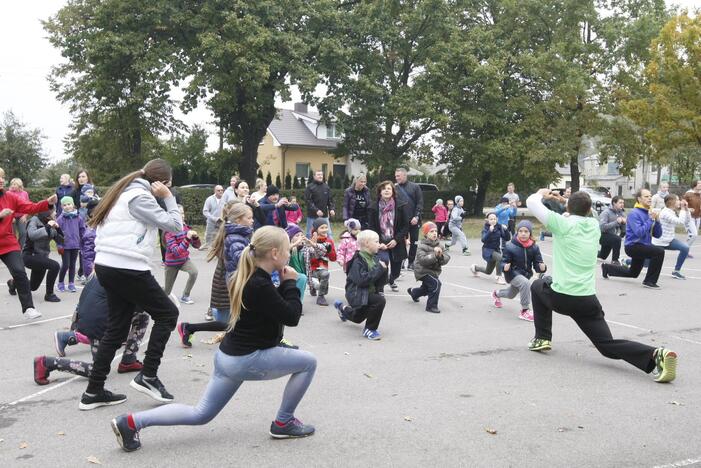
{"x": 8, "y": 241}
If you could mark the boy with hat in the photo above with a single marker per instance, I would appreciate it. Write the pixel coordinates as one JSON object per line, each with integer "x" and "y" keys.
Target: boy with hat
{"x": 271, "y": 209}
{"x": 324, "y": 252}
{"x": 430, "y": 257}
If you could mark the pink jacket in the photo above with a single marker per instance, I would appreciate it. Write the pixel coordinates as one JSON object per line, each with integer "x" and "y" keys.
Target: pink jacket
{"x": 346, "y": 249}
{"x": 294, "y": 216}
{"x": 441, "y": 213}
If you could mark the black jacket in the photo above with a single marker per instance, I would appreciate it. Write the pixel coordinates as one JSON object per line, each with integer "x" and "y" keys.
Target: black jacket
{"x": 264, "y": 313}
{"x": 401, "y": 226}
{"x": 523, "y": 260}
{"x": 318, "y": 197}
{"x": 359, "y": 279}
{"x": 39, "y": 236}
{"x": 414, "y": 197}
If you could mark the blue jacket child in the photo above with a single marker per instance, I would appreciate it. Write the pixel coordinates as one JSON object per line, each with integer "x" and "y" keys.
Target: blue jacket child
{"x": 492, "y": 239}
{"x": 504, "y": 211}
{"x": 524, "y": 257}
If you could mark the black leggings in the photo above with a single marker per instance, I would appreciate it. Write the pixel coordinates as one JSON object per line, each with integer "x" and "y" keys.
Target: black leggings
{"x": 68, "y": 260}
{"x": 13, "y": 262}
{"x": 638, "y": 253}
{"x": 610, "y": 242}
{"x": 41, "y": 265}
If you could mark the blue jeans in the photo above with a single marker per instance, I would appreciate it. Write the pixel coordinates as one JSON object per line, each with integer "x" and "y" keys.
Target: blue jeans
{"x": 310, "y": 221}
{"x": 683, "y": 249}
{"x": 229, "y": 373}
{"x": 221, "y": 315}
{"x": 431, "y": 287}
{"x": 301, "y": 284}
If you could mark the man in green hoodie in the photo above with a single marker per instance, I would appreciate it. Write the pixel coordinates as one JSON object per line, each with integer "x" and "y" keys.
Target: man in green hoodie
{"x": 572, "y": 289}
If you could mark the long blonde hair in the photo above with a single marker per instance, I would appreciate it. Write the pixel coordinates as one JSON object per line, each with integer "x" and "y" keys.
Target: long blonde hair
{"x": 264, "y": 240}
{"x": 231, "y": 212}
{"x": 154, "y": 170}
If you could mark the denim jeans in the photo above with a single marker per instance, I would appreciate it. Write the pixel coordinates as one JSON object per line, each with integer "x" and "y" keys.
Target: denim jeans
{"x": 683, "y": 249}
{"x": 229, "y": 373}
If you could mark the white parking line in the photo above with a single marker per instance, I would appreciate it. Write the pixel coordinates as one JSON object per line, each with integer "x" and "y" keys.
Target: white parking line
{"x": 35, "y": 322}
{"x": 676, "y": 464}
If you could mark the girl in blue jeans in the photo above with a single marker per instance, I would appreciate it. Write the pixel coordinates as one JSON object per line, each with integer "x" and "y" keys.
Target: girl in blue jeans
{"x": 249, "y": 350}
{"x": 669, "y": 221}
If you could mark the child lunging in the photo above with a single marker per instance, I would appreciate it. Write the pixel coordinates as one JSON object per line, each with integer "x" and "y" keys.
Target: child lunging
{"x": 430, "y": 257}
{"x": 178, "y": 258}
{"x": 521, "y": 257}
{"x": 320, "y": 263}
{"x": 73, "y": 228}
{"x": 349, "y": 243}
{"x": 366, "y": 276}
{"x": 493, "y": 235}
{"x": 249, "y": 351}
{"x": 457, "y": 215}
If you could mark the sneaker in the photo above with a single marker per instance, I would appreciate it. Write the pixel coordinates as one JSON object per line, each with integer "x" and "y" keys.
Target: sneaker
{"x": 60, "y": 287}
{"x": 446, "y": 247}
{"x": 466, "y": 252}
{"x": 41, "y": 373}
{"x": 127, "y": 438}
{"x": 651, "y": 285}
{"x": 186, "y": 300}
{"x": 473, "y": 270}
{"x": 63, "y": 339}
{"x": 689, "y": 256}
{"x": 616, "y": 262}
{"x": 285, "y": 343}
{"x": 433, "y": 310}
{"x": 677, "y": 275}
{"x": 497, "y": 300}
{"x": 31, "y": 314}
{"x": 394, "y": 287}
{"x": 81, "y": 278}
{"x": 415, "y": 299}
{"x": 338, "y": 304}
{"x": 294, "y": 428}
{"x": 321, "y": 300}
{"x": 312, "y": 292}
{"x": 71, "y": 287}
{"x": 665, "y": 365}
{"x": 316, "y": 284}
{"x": 500, "y": 280}
{"x": 627, "y": 261}
{"x": 208, "y": 315}
{"x": 152, "y": 387}
{"x": 135, "y": 366}
{"x": 373, "y": 335}
{"x": 51, "y": 298}
{"x": 539, "y": 344}
{"x": 103, "y": 398}
{"x": 184, "y": 335}
{"x": 604, "y": 271}
{"x": 526, "y": 315}
{"x": 11, "y": 287}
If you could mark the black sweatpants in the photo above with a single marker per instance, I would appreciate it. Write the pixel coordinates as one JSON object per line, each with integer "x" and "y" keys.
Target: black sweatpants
{"x": 371, "y": 313}
{"x": 126, "y": 290}
{"x": 41, "y": 265}
{"x": 413, "y": 240}
{"x": 13, "y": 262}
{"x": 610, "y": 243}
{"x": 588, "y": 314}
{"x": 638, "y": 253}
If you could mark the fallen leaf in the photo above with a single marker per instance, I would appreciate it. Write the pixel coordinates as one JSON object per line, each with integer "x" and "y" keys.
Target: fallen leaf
{"x": 2, "y": 440}
{"x": 623, "y": 294}
{"x": 675, "y": 403}
{"x": 94, "y": 460}
{"x": 23, "y": 445}
{"x": 408, "y": 418}
{"x": 580, "y": 427}
{"x": 187, "y": 356}
{"x": 490, "y": 430}
{"x": 61, "y": 433}
{"x": 369, "y": 376}
{"x": 347, "y": 353}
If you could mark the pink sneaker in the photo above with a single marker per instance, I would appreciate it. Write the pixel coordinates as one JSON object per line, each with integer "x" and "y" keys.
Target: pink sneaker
{"x": 497, "y": 300}
{"x": 526, "y": 315}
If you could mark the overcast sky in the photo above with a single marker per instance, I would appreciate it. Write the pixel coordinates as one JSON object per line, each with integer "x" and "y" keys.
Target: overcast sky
{"x": 25, "y": 61}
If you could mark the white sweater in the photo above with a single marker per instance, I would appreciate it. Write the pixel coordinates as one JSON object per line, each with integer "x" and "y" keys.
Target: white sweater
{"x": 669, "y": 221}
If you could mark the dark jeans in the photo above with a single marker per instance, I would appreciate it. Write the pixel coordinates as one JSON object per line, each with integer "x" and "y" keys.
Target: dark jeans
{"x": 587, "y": 313}
{"x": 413, "y": 240}
{"x": 394, "y": 266}
{"x": 610, "y": 242}
{"x": 431, "y": 287}
{"x": 371, "y": 313}
{"x": 68, "y": 260}
{"x": 13, "y": 262}
{"x": 126, "y": 290}
{"x": 638, "y": 253}
{"x": 41, "y": 266}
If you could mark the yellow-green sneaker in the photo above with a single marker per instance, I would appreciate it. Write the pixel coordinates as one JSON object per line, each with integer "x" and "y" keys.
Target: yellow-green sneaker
{"x": 539, "y": 344}
{"x": 665, "y": 365}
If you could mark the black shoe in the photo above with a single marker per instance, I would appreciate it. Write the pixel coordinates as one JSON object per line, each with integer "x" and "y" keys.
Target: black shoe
{"x": 394, "y": 287}
{"x": 294, "y": 428}
{"x": 152, "y": 387}
{"x": 650, "y": 285}
{"x": 103, "y": 398}
{"x": 433, "y": 310}
{"x": 51, "y": 298}
{"x": 604, "y": 271}
{"x": 11, "y": 287}
{"x": 412, "y": 295}
{"x": 127, "y": 437}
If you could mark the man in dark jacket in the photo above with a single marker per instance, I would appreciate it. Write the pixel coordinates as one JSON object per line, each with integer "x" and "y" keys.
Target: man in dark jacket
{"x": 319, "y": 201}
{"x": 271, "y": 209}
{"x": 412, "y": 194}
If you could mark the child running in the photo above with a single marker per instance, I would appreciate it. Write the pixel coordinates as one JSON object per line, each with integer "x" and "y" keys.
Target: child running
{"x": 457, "y": 215}
{"x": 249, "y": 351}
{"x": 73, "y": 228}
{"x": 521, "y": 257}
{"x": 430, "y": 257}
{"x": 440, "y": 213}
{"x": 177, "y": 258}
{"x": 493, "y": 235}
{"x": 571, "y": 290}
{"x": 320, "y": 263}
{"x": 367, "y": 274}
{"x": 88, "y": 327}
{"x": 349, "y": 243}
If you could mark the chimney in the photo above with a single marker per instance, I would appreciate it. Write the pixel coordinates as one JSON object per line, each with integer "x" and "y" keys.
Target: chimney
{"x": 300, "y": 107}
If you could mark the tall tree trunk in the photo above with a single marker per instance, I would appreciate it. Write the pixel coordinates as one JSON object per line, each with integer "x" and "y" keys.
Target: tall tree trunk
{"x": 574, "y": 171}
{"x": 248, "y": 164}
{"x": 484, "y": 181}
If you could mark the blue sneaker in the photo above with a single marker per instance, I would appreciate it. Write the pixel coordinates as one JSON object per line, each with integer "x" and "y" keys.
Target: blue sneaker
{"x": 186, "y": 300}
{"x": 338, "y": 304}
{"x": 60, "y": 287}
{"x": 294, "y": 428}
{"x": 71, "y": 287}
{"x": 63, "y": 339}
{"x": 677, "y": 275}
{"x": 127, "y": 438}
{"x": 373, "y": 335}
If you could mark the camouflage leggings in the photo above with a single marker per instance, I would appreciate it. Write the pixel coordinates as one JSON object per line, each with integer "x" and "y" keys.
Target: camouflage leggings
{"x": 139, "y": 324}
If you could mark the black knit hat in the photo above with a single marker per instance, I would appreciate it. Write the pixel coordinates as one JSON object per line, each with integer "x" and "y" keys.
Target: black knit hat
{"x": 271, "y": 190}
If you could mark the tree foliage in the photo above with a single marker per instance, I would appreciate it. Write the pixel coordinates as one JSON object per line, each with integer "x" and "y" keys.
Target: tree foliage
{"x": 21, "y": 152}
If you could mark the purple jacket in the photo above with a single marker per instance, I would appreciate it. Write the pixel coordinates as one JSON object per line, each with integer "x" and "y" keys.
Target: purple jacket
{"x": 87, "y": 250}
{"x": 73, "y": 228}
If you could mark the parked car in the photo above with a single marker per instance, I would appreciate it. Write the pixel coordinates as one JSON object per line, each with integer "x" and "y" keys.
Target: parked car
{"x": 199, "y": 186}
{"x": 427, "y": 187}
{"x": 602, "y": 190}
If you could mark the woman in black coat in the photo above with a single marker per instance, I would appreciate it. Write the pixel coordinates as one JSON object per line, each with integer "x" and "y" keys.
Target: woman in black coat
{"x": 387, "y": 216}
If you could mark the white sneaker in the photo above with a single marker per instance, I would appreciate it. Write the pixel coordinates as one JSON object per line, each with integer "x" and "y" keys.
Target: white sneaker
{"x": 31, "y": 314}
{"x": 315, "y": 283}
{"x": 500, "y": 280}
{"x": 473, "y": 269}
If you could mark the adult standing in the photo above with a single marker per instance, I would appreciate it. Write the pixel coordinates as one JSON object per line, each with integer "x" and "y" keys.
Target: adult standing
{"x": 212, "y": 211}
{"x": 414, "y": 198}
{"x": 271, "y": 209}
{"x": 261, "y": 189}
{"x": 388, "y": 217}
{"x": 515, "y": 202}
{"x": 82, "y": 177}
{"x": 612, "y": 222}
{"x": 693, "y": 199}
{"x": 641, "y": 226}
{"x": 230, "y": 192}
{"x": 319, "y": 201}
{"x": 17, "y": 187}
{"x": 10, "y": 249}
{"x": 356, "y": 200}
{"x": 657, "y": 203}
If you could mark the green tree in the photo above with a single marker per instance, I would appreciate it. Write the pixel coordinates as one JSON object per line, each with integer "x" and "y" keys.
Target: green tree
{"x": 21, "y": 152}
{"x": 50, "y": 175}
{"x": 189, "y": 158}
{"x": 268, "y": 179}
{"x": 278, "y": 181}
{"x": 288, "y": 181}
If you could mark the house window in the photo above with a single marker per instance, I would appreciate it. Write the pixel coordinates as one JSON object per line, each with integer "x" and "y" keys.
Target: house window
{"x": 339, "y": 170}
{"x": 332, "y": 131}
{"x": 325, "y": 170}
{"x": 301, "y": 170}
{"x": 612, "y": 168}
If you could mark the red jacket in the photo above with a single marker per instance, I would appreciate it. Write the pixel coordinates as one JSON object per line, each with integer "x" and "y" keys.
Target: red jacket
{"x": 323, "y": 261}
{"x": 8, "y": 241}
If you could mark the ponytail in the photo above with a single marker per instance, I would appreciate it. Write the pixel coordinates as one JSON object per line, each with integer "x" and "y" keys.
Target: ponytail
{"x": 246, "y": 267}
